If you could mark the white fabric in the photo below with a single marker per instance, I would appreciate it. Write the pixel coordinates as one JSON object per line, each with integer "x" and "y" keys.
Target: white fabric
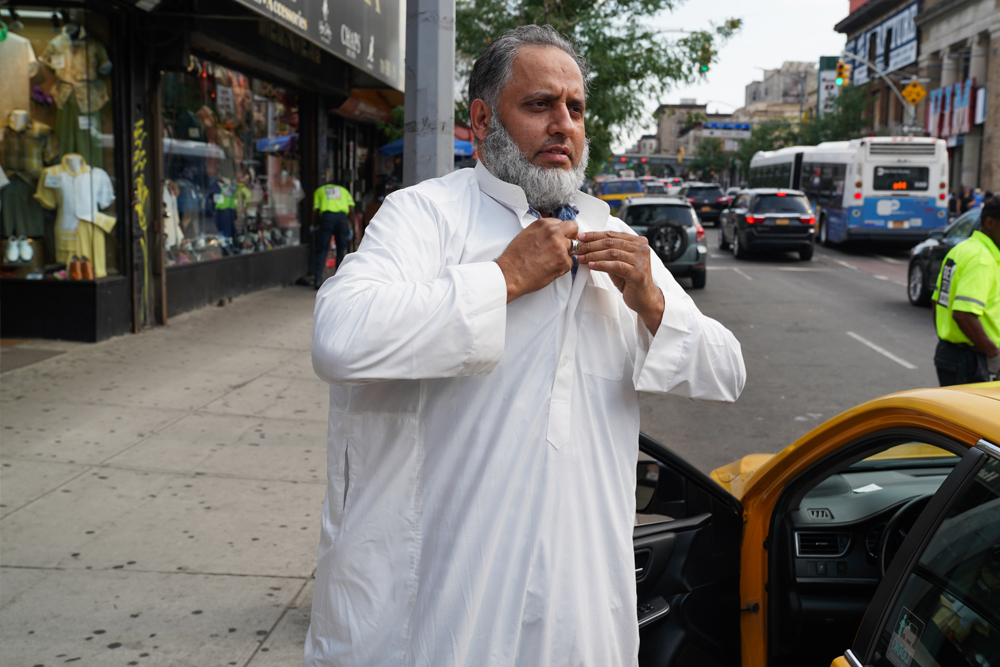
{"x": 171, "y": 218}
{"x": 481, "y": 455}
{"x": 80, "y": 194}
{"x": 17, "y": 65}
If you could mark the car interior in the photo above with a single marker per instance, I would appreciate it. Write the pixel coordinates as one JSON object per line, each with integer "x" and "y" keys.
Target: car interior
{"x": 834, "y": 531}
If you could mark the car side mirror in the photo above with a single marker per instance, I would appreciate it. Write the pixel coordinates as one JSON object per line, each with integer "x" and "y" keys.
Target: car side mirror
{"x": 659, "y": 490}
{"x": 937, "y": 234}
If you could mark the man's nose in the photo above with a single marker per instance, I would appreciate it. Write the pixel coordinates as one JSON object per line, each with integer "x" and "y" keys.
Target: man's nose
{"x": 561, "y": 121}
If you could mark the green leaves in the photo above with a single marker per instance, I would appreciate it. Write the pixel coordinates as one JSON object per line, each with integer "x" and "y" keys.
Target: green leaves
{"x": 709, "y": 160}
{"x": 631, "y": 62}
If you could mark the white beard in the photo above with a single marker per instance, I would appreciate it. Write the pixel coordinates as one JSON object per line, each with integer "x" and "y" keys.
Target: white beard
{"x": 546, "y": 190}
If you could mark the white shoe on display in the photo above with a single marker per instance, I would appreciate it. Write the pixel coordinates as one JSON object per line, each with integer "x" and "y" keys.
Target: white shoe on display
{"x": 26, "y": 250}
{"x": 13, "y": 252}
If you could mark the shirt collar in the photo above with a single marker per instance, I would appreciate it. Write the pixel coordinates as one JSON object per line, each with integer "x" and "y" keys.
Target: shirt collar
{"x": 593, "y": 211}
{"x": 84, "y": 167}
{"x": 991, "y": 247}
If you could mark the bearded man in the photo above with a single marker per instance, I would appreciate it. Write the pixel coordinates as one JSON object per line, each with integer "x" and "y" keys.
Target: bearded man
{"x": 486, "y": 345}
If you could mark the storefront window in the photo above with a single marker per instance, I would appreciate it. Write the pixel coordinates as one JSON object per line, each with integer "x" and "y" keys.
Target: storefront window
{"x": 231, "y": 164}
{"x": 57, "y": 178}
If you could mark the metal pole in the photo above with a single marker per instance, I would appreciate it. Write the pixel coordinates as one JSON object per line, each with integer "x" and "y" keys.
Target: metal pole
{"x": 911, "y": 110}
{"x": 429, "y": 105}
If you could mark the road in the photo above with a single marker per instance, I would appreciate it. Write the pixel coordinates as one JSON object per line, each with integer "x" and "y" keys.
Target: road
{"x": 818, "y": 337}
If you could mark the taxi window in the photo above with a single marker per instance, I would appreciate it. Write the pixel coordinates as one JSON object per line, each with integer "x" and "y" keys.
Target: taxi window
{"x": 613, "y": 188}
{"x": 949, "y": 610}
{"x": 629, "y": 187}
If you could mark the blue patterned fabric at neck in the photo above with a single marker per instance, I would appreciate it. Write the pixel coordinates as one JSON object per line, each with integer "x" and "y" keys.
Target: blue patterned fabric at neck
{"x": 567, "y": 212}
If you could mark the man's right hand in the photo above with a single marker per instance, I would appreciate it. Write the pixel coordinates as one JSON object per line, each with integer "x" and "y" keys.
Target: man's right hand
{"x": 537, "y": 256}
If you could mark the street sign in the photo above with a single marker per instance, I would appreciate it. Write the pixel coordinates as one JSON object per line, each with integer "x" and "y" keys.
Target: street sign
{"x": 726, "y": 130}
{"x": 913, "y": 129}
{"x": 914, "y": 93}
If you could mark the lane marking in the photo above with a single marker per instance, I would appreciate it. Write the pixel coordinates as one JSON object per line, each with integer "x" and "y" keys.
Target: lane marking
{"x": 846, "y": 264}
{"x": 889, "y": 260}
{"x": 741, "y": 273}
{"x": 798, "y": 268}
{"x": 881, "y": 350}
{"x": 880, "y": 277}
{"x": 714, "y": 256}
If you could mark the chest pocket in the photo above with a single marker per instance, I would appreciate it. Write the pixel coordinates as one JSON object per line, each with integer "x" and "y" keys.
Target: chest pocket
{"x": 601, "y": 345}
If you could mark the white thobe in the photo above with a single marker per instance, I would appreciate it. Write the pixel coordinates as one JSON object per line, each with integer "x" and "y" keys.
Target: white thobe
{"x": 481, "y": 455}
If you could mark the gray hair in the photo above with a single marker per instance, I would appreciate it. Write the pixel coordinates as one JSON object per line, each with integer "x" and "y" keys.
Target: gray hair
{"x": 494, "y": 68}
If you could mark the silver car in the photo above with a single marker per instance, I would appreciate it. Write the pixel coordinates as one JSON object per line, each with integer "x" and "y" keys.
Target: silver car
{"x": 673, "y": 231}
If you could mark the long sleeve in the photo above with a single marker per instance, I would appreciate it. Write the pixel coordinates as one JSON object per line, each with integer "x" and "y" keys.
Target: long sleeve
{"x": 691, "y": 355}
{"x": 397, "y": 310}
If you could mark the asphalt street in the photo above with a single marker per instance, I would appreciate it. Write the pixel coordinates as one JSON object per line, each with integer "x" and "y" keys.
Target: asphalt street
{"x": 818, "y": 338}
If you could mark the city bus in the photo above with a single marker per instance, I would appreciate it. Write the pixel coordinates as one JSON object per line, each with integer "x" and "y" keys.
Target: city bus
{"x": 873, "y": 189}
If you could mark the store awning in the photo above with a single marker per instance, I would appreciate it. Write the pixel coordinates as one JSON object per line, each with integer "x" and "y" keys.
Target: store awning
{"x": 284, "y": 142}
{"x": 462, "y": 148}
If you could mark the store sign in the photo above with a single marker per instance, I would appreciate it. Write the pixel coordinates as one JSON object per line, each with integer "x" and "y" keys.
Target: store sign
{"x": 726, "y": 130}
{"x": 953, "y": 109}
{"x": 366, "y": 33}
{"x": 899, "y": 31}
{"x": 980, "y": 116}
{"x": 828, "y": 90}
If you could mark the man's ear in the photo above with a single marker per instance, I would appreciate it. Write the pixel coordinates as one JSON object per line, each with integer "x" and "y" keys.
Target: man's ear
{"x": 480, "y": 115}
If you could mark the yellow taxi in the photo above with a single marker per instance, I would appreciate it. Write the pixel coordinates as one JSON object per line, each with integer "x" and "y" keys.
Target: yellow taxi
{"x": 615, "y": 191}
{"x": 871, "y": 541}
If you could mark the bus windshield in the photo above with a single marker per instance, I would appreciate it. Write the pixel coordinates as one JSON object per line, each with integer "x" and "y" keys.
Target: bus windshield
{"x": 901, "y": 178}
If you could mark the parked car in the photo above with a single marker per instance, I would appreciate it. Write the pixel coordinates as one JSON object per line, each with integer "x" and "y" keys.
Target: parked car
{"x": 927, "y": 256}
{"x": 768, "y": 218}
{"x": 674, "y": 234}
{"x": 617, "y": 190}
{"x": 706, "y": 198}
{"x": 876, "y": 532}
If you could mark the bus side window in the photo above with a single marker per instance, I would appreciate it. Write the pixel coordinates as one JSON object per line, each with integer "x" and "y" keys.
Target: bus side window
{"x": 839, "y": 176}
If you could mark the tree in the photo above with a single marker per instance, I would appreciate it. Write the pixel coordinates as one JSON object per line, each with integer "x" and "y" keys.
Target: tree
{"x": 848, "y": 118}
{"x": 709, "y": 160}
{"x": 768, "y": 137}
{"x": 630, "y": 62}
{"x": 394, "y": 129}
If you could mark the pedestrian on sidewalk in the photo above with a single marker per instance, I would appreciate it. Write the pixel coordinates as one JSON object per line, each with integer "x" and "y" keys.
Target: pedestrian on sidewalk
{"x": 967, "y": 305}
{"x": 334, "y": 206}
{"x": 486, "y": 345}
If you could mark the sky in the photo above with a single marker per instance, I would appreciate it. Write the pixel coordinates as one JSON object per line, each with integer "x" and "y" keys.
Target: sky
{"x": 773, "y": 31}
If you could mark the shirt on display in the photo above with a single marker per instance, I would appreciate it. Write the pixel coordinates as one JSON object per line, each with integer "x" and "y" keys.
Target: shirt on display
{"x": 77, "y": 64}
{"x": 78, "y": 195}
{"x": 17, "y": 65}
{"x": 286, "y": 195}
{"x": 28, "y": 150}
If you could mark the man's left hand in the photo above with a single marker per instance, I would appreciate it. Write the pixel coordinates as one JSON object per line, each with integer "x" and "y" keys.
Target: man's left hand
{"x": 625, "y": 257}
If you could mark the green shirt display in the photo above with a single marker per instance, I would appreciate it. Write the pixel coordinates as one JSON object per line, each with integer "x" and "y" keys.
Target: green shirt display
{"x": 969, "y": 282}
{"x": 332, "y": 199}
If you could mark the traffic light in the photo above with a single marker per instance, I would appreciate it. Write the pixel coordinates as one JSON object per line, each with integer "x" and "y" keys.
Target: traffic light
{"x": 843, "y": 74}
{"x": 705, "y": 58}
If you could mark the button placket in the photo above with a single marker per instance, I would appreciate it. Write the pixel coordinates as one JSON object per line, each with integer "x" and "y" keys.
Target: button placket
{"x": 562, "y": 387}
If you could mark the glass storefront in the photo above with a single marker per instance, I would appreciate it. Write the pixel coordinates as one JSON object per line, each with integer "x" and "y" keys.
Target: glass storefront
{"x": 57, "y": 167}
{"x": 231, "y": 164}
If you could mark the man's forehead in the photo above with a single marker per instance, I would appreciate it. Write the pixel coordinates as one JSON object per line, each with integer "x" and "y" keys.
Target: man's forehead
{"x": 546, "y": 69}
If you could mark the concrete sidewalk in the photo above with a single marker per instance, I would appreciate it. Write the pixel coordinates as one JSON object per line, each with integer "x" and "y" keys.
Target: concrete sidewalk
{"x": 160, "y": 493}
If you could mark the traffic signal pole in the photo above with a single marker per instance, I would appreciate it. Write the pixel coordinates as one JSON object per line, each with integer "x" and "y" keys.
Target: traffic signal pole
{"x": 429, "y": 106}
{"x": 911, "y": 110}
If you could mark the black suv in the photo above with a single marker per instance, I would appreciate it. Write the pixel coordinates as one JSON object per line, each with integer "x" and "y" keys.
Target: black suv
{"x": 708, "y": 200}
{"x": 926, "y": 257}
{"x": 768, "y": 218}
